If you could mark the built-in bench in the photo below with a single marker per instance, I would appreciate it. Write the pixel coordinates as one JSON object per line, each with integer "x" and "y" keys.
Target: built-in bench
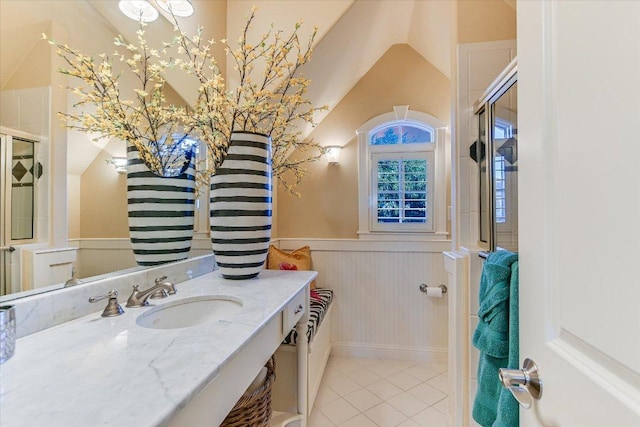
{"x": 284, "y": 392}
{"x": 318, "y": 305}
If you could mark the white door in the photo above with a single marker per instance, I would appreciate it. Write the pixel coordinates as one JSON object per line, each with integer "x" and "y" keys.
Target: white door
{"x": 579, "y": 166}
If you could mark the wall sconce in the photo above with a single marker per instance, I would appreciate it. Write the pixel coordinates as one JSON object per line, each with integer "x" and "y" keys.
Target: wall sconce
{"x": 138, "y": 10}
{"x": 333, "y": 154}
{"x": 120, "y": 164}
{"x": 179, "y": 8}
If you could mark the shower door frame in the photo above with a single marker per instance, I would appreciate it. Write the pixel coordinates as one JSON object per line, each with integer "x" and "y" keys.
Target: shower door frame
{"x": 5, "y": 209}
{"x": 8, "y": 253}
{"x": 501, "y": 85}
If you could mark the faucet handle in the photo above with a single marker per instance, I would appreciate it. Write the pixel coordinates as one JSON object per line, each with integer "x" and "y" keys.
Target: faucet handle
{"x": 112, "y": 294}
{"x": 113, "y": 308}
{"x": 171, "y": 288}
{"x": 159, "y": 294}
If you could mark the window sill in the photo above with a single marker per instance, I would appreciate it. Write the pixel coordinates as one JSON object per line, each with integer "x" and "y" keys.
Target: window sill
{"x": 411, "y": 236}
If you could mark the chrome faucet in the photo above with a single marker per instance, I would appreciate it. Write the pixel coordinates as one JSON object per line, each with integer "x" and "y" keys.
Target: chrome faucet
{"x": 73, "y": 281}
{"x": 140, "y": 298}
{"x": 112, "y": 308}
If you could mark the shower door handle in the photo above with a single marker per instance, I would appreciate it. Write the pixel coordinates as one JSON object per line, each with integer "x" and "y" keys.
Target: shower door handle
{"x": 7, "y": 248}
{"x": 525, "y": 384}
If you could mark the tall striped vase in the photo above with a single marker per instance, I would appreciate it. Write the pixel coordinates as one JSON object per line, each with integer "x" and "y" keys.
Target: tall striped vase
{"x": 241, "y": 206}
{"x": 161, "y": 211}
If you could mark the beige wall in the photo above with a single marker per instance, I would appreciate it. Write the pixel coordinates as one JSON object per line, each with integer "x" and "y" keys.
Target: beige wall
{"x": 73, "y": 206}
{"x": 35, "y": 70}
{"x": 485, "y": 21}
{"x": 328, "y": 207}
{"x": 103, "y": 200}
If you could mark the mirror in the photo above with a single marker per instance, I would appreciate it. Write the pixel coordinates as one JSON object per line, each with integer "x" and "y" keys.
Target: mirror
{"x": 93, "y": 236}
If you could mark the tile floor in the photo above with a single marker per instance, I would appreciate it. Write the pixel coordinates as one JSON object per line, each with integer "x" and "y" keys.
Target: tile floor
{"x": 381, "y": 393}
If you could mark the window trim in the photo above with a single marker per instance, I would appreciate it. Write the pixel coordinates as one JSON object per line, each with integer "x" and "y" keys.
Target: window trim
{"x": 366, "y": 201}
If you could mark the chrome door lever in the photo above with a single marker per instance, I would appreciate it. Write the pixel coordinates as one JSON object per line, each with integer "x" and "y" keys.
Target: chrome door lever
{"x": 525, "y": 384}
{"x": 7, "y": 248}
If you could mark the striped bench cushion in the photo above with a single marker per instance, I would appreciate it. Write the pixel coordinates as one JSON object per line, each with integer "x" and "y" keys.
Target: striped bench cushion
{"x": 317, "y": 310}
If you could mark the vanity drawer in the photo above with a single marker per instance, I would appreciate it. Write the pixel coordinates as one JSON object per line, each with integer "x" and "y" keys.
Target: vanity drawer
{"x": 293, "y": 311}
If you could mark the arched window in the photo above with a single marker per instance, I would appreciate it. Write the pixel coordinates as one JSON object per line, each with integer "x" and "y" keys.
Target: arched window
{"x": 401, "y": 181}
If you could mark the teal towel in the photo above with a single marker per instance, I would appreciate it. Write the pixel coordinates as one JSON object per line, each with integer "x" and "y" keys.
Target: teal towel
{"x": 492, "y": 335}
{"x": 508, "y": 406}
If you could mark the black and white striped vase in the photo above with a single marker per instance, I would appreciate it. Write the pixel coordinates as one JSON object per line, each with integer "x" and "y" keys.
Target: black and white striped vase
{"x": 161, "y": 211}
{"x": 240, "y": 213}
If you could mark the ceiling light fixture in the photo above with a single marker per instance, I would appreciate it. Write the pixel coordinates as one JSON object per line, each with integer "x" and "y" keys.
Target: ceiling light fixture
{"x": 180, "y": 8}
{"x": 138, "y": 10}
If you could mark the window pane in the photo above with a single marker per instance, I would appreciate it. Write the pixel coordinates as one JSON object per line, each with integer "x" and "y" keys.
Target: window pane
{"x": 389, "y": 205}
{"x": 388, "y": 166}
{"x": 388, "y": 135}
{"x": 416, "y": 186}
{"x": 402, "y": 191}
{"x": 414, "y": 181}
{"x": 419, "y": 166}
{"x": 388, "y": 210}
{"x": 415, "y": 196}
{"x": 388, "y": 177}
{"x": 402, "y": 134}
{"x": 500, "y": 199}
{"x": 388, "y": 196}
{"x": 412, "y": 135}
{"x": 392, "y": 186}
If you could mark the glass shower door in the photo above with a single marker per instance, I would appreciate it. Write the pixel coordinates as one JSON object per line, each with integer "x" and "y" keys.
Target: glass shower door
{"x": 496, "y": 153}
{"x": 18, "y": 173}
{"x": 505, "y": 169}
{"x": 5, "y": 224}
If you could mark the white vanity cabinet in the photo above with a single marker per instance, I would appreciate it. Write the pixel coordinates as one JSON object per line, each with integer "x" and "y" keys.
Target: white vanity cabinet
{"x": 212, "y": 404}
{"x": 294, "y": 311}
{"x": 113, "y": 372}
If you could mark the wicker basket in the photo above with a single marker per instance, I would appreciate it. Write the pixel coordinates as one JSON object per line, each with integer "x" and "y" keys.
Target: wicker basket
{"x": 254, "y": 409}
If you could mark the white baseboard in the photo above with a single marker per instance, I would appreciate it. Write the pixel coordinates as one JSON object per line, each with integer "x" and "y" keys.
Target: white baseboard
{"x": 439, "y": 355}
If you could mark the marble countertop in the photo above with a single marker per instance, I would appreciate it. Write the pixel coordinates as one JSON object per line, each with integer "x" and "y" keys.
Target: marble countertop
{"x": 111, "y": 372}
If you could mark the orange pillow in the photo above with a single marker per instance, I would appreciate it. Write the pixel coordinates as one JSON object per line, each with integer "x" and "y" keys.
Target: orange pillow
{"x": 300, "y": 259}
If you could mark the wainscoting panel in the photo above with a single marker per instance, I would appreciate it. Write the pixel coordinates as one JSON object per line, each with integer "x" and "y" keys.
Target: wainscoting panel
{"x": 45, "y": 267}
{"x": 103, "y": 256}
{"x": 379, "y": 310}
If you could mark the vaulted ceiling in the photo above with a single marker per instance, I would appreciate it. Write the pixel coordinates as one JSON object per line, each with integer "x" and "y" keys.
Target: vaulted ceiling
{"x": 352, "y": 36}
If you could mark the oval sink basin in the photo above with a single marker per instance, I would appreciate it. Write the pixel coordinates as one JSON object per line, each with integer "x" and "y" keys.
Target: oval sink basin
{"x": 190, "y": 312}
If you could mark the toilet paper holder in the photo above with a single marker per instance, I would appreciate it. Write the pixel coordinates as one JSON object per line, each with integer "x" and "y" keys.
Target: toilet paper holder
{"x": 423, "y": 288}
